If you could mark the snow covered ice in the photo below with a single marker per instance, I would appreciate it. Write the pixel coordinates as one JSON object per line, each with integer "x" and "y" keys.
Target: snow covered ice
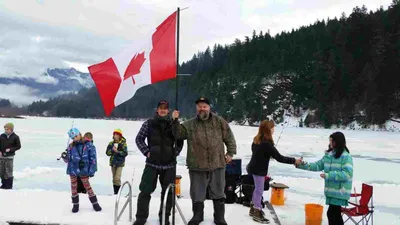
{"x": 42, "y": 189}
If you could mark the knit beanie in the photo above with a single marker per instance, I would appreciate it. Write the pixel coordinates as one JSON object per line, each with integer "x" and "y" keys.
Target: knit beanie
{"x": 118, "y": 131}
{"x": 73, "y": 132}
{"x": 9, "y": 126}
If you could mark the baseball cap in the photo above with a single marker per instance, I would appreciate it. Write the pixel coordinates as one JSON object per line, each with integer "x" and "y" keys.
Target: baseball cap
{"x": 203, "y": 99}
{"x": 163, "y": 102}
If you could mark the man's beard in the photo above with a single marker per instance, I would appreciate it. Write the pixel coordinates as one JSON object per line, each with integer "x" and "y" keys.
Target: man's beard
{"x": 204, "y": 115}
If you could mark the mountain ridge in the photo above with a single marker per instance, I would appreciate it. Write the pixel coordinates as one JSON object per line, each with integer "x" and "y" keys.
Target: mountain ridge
{"x": 52, "y": 83}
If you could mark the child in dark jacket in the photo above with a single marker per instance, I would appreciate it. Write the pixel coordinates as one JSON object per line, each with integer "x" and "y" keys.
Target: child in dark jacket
{"x": 9, "y": 144}
{"x": 82, "y": 163}
{"x": 262, "y": 150}
{"x": 117, "y": 149}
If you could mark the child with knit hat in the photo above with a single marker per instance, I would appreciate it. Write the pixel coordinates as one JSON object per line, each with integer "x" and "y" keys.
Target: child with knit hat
{"x": 117, "y": 149}
{"x": 82, "y": 163}
{"x": 9, "y": 144}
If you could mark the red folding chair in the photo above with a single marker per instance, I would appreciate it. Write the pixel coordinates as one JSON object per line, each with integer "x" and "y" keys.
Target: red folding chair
{"x": 362, "y": 212}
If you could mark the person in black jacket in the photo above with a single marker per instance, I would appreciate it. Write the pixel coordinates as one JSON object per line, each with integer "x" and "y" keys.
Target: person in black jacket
{"x": 263, "y": 149}
{"x": 9, "y": 144}
{"x": 160, "y": 152}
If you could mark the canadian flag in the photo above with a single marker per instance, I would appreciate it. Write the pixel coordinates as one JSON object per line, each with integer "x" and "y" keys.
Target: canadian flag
{"x": 150, "y": 60}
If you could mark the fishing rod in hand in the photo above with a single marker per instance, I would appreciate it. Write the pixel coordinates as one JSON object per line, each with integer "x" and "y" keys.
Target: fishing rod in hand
{"x": 64, "y": 153}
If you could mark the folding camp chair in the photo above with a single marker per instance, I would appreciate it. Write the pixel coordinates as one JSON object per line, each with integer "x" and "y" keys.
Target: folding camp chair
{"x": 364, "y": 210}
{"x": 233, "y": 172}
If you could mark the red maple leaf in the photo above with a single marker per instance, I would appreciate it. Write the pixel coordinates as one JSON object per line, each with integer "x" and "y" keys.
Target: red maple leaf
{"x": 134, "y": 66}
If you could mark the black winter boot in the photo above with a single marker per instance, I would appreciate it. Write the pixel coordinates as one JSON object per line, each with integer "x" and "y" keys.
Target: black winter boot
{"x": 95, "y": 204}
{"x": 139, "y": 222}
{"x": 166, "y": 219}
{"x": 116, "y": 189}
{"x": 11, "y": 183}
{"x": 198, "y": 213}
{"x": 219, "y": 211}
{"x": 75, "y": 203}
{"x": 142, "y": 209}
{"x": 167, "y": 215}
{"x": 8, "y": 183}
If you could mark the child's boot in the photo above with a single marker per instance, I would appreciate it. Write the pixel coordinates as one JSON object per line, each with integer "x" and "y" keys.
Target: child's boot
{"x": 116, "y": 189}
{"x": 259, "y": 216}
{"x": 251, "y": 212}
{"x": 95, "y": 204}
{"x": 75, "y": 203}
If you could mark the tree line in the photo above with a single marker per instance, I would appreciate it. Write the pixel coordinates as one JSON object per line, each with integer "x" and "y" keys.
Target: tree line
{"x": 339, "y": 70}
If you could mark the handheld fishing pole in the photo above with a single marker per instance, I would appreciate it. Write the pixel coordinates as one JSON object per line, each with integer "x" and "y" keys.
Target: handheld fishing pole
{"x": 64, "y": 153}
{"x": 279, "y": 138}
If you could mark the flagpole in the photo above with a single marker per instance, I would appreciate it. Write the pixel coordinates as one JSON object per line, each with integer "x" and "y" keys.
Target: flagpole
{"x": 176, "y": 107}
{"x": 177, "y": 59}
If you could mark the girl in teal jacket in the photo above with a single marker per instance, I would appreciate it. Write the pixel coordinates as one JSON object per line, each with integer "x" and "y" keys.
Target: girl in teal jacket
{"x": 337, "y": 165}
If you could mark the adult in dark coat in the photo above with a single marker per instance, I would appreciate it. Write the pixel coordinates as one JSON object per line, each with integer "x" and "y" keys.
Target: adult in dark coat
{"x": 160, "y": 152}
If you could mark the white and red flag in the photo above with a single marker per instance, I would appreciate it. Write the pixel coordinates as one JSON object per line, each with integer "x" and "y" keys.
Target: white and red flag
{"x": 149, "y": 60}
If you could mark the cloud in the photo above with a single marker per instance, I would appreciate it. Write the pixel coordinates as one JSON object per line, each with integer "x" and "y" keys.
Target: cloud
{"x": 29, "y": 48}
{"x": 46, "y": 79}
{"x": 82, "y": 67}
{"x": 19, "y": 94}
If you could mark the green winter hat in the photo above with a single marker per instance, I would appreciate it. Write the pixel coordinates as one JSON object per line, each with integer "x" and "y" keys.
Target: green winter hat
{"x": 9, "y": 126}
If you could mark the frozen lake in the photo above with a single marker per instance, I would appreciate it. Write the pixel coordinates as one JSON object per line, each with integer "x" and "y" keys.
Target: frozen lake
{"x": 376, "y": 158}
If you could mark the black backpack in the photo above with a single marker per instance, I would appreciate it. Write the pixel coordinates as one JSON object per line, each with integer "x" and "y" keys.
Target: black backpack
{"x": 247, "y": 188}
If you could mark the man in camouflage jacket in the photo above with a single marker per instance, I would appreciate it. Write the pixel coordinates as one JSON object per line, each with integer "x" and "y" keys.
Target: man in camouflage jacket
{"x": 206, "y": 159}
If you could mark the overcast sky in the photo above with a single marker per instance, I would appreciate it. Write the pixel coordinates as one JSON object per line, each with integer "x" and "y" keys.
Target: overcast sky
{"x": 35, "y": 35}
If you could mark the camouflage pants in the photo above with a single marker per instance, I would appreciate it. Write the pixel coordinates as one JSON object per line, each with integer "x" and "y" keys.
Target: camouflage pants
{"x": 6, "y": 168}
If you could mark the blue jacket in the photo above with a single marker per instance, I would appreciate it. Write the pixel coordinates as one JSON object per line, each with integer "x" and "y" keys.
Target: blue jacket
{"x": 86, "y": 152}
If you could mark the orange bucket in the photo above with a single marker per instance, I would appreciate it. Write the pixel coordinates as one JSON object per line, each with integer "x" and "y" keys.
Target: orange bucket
{"x": 278, "y": 196}
{"x": 314, "y": 214}
{"x": 178, "y": 185}
{"x": 278, "y": 193}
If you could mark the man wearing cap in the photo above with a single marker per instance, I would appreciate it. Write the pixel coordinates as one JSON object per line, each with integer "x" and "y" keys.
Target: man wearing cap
{"x": 9, "y": 143}
{"x": 206, "y": 159}
{"x": 160, "y": 152}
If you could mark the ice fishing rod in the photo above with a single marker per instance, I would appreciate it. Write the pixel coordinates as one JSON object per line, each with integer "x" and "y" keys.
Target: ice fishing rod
{"x": 64, "y": 153}
{"x": 286, "y": 124}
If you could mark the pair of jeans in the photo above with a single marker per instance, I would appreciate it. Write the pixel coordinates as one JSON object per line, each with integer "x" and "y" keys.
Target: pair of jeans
{"x": 258, "y": 191}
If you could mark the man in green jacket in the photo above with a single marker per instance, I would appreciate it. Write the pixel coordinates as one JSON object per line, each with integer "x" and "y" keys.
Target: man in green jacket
{"x": 206, "y": 159}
